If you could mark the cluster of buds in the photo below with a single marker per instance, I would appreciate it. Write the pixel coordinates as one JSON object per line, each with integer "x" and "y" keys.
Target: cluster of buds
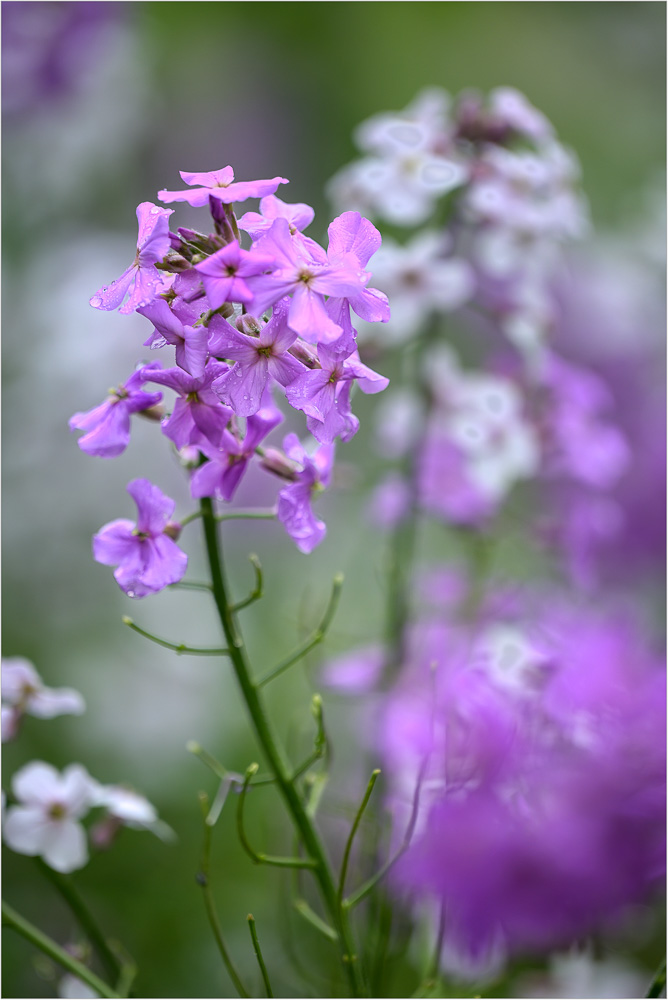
{"x": 243, "y": 323}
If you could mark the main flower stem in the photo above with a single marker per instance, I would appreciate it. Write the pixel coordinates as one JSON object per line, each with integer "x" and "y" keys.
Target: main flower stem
{"x": 278, "y": 763}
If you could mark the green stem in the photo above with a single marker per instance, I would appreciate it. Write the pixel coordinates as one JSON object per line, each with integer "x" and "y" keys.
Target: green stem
{"x": 314, "y": 639}
{"x": 258, "y": 954}
{"x": 257, "y": 858}
{"x": 353, "y": 831}
{"x": 45, "y": 944}
{"x": 65, "y": 887}
{"x": 256, "y": 592}
{"x": 659, "y": 982}
{"x": 275, "y": 755}
{"x": 268, "y": 514}
{"x": 203, "y": 880}
{"x": 179, "y": 648}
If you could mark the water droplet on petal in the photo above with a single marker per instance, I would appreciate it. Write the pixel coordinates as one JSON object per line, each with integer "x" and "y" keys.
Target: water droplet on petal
{"x": 96, "y": 301}
{"x": 130, "y": 593}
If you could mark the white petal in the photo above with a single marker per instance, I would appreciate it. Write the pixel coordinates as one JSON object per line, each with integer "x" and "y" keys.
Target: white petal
{"x": 25, "y": 829}
{"x": 36, "y": 783}
{"x": 50, "y": 702}
{"x": 78, "y": 790}
{"x": 65, "y": 848}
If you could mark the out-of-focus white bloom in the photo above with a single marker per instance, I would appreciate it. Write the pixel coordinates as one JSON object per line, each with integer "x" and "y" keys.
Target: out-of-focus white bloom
{"x": 72, "y": 988}
{"x": 579, "y": 975}
{"x": 486, "y": 423}
{"x": 45, "y": 823}
{"x": 24, "y": 693}
{"x": 419, "y": 279}
{"x": 125, "y": 807}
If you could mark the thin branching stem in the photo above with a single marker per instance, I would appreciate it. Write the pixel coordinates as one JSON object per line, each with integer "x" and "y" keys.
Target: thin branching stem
{"x": 314, "y": 639}
{"x": 258, "y": 954}
{"x": 203, "y": 879}
{"x": 64, "y": 885}
{"x": 658, "y": 984}
{"x": 279, "y": 765}
{"x": 353, "y": 831}
{"x": 257, "y": 591}
{"x": 11, "y": 918}
{"x": 180, "y": 648}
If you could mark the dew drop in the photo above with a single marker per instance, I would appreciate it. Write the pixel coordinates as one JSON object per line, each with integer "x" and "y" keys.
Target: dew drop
{"x": 96, "y": 301}
{"x": 130, "y": 593}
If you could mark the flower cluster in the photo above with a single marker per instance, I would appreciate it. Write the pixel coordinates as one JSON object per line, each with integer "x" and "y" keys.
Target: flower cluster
{"x": 534, "y": 740}
{"x": 44, "y": 816}
{"x": 244, "y": 324}
{"x": 515, "y": 202}
{"x": 521, "y": 734}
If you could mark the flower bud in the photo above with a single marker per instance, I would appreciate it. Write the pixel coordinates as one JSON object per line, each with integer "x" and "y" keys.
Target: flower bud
{"x": 275, "y": 461}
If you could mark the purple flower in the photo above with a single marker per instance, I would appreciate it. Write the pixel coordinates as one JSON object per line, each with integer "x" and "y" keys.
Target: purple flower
{"x": 198, "y": 414}
{"x": 294, "y": 501}
{"x": 147, "y": 557}
{"x": 323, "y": 394}
{"x": 107, "y": 426}
{"x": 258, "y": 360}
{"x": 220, "y": 184}
{"x": 142, "y": 279}
{"x": 191, "y": 342}
{"x": 223, "y": 273}
{"x": 299, "y": 216}
{"x": 540, "y": 736}
{"x": 221, "y": 475}
{"x": 302, "y": 270}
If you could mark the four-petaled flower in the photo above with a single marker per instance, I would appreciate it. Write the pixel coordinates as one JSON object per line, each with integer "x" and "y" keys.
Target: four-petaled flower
{"x": 45, "y": 823}
{"x": 23, "y": 693}
{"x": 146, "y": 554}
{"x": 107, "y": 426}
{"x": 142, "y": 279}
{"x": 220, "y": 184}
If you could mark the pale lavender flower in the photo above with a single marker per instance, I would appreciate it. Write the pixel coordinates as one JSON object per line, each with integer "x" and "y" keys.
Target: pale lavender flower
{"x": 147, "y": 557}
{"x": 420, "y": 278}
{"x": 294, "y": 501}
{"x": 142, "y": 280}
{"x": 45, "y": 823}
{"x": 24, "y": 693}
{"x": 299, "y": 216}
{"x": 107, "y": 426}
{"x": 220, "y": 184}
{"x": 190, "y": 342}
{"x": 221, "y": 475}
{"x": 323, "y": 393}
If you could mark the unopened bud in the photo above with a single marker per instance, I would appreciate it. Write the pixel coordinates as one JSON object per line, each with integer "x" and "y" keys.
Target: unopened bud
{"x": 249, "y": 325}
{"x": 156, "y": 413}
{"x": 173, "y": 530}
{"x": 305, "y": 353}
{"x": 275, "y": 461}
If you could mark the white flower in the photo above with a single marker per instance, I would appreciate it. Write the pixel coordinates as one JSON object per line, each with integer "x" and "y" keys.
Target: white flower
{"x": 24, "y": 693}
{"x": 419, "y": 279}
{"x": 72, "y": 988}
{"x": 45, "y": 822}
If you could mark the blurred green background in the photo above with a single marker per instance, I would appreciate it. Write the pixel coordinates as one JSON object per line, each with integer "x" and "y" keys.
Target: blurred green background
{"x": 272, "y": 89}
